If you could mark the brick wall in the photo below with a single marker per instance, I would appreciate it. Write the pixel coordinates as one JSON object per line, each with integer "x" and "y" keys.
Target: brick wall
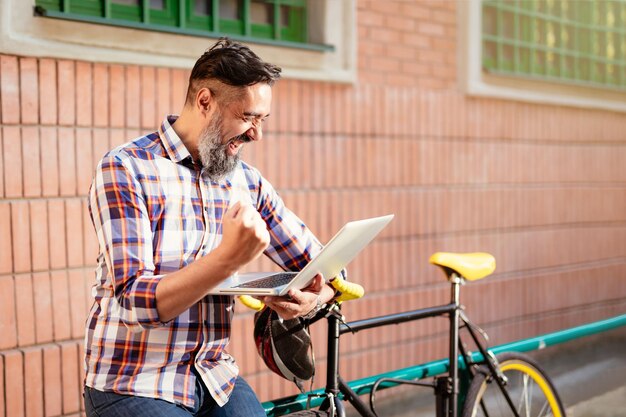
{"x": 541, "y": 187}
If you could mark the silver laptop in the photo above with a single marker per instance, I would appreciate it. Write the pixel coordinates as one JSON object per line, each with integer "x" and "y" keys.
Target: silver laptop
{"x": 337, "y": 253}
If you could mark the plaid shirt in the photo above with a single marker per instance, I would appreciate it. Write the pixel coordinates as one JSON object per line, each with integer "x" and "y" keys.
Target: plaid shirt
{"x": 154, "y": 213}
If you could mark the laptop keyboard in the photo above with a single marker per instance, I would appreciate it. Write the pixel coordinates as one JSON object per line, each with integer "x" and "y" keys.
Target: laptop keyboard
{"x": 272, "y": 281}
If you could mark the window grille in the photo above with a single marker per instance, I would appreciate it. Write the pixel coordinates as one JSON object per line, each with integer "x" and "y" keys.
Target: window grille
{"x": 579, "y": 42}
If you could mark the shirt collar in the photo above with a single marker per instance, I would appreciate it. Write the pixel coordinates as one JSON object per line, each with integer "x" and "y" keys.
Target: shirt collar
{"x": 172, "y": 143}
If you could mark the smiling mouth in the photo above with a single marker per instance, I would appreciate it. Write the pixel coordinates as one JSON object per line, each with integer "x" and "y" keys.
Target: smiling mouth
{"x": 236, "y": 143}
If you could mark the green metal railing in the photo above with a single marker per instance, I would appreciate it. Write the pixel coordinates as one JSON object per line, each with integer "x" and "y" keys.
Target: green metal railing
{"x": 363, "y": 386}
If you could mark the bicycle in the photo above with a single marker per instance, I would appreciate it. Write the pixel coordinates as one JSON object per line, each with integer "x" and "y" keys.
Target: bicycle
{"x": 510, "y": 384}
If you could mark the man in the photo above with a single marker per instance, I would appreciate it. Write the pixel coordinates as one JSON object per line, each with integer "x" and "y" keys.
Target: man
{"x": 176, "y": 212}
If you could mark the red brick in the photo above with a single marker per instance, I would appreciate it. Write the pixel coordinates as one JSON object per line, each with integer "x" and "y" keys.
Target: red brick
{"x": 66, "y": 92}
{"x": 386, "y": 35}
{"x": 1, "y": 168}
{"x": 6, "y": 249}
{"x": 67, "y": 160}
{"x": 12, "y": 153}
{"x": 20, "y": 227}
{"x": 118, "y": 137}
{"x": 74, "y": 233}
{"x": 90, "y": 240}
{"x": 432, "y": 83}
{"x": 369, "y": 18}
{"x": 8, "y": 325}
{"x": 346, "y": 118}
{"x": 44, "y": 330}
{"x": 69, "y": 376}
{"x": 49, "y": 162}
{"x": 14, "y": 372}
{"x": 39, "y": 235}
{"x": 117, "y": 88}
{"x": 101, "y": 94}
{"x": 47, "y": 91}
{"x": 445, "y": 72}
{"x": 411, "y": 9}
{"x": 179, "y": 90}
{"x": 400, "y": 80}
{"x": 9, "y": 85}
{"x": 100, "y": 145}
{"x": 446, "y": 44}
{"x": 432, "y": 57}
{"x": 29, "y": 91}
{"x": 33, "y": 381}
{"x": 80, "y": 361}
{"x": 447, "y": 17}
{"x": 400, "y": 22}
{"x": 304, "y": 105}
{"x": 276, "y": 123}
{"x": 363, "y": 32}
{"x": 84, "y": 163}
{"x": 163, "y": 94}
{"x": 415, "y": 69}
{"x": 386, "y": 7}
{"x": 417, "y": 40}
{"x": 133, "y": 96}
{"x": 384, "y": 66}
{"x": 24, "y": 305}
{"x": 401, "y": 52}
{"x": 52, "y": 383}
{"x": 84, "y": 95}
{"x": 2, "y": 385}
{"x": 32, "y": 161}
{"x": 56, "y": 233}
{"x": 429, "y": 28}
{"x": 60, "y": 302}
{"x": 78, "y": 307}
{"x": 148, "y": 97}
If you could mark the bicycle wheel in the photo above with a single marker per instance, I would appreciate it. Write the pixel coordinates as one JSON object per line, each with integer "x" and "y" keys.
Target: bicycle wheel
{"x": 530, "y": 389}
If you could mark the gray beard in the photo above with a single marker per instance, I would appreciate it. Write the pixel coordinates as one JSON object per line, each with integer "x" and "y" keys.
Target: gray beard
{"x": 216, "y": 161}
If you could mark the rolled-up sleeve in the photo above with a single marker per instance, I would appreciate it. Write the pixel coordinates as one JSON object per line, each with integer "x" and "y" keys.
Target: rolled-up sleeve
{"x": 120, "y": 217}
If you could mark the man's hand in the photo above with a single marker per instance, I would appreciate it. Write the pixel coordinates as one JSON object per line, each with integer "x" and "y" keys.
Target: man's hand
{"x": 300, "y": 302}
{"x": 244, "y": 235}
{"x": 244, "y": 238}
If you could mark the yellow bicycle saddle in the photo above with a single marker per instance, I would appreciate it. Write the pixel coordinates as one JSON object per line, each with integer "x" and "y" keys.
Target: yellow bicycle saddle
{"x": 471, "y": 266}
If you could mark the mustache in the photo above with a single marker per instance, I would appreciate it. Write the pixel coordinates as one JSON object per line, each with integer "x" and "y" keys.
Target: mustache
{"x": 243, "y": 138}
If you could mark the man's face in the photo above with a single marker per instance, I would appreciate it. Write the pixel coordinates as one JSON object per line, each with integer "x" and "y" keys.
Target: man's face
{"x": 239, "y": 122}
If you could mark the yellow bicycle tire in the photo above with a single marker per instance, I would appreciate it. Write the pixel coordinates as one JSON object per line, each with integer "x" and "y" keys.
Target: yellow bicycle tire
{"x": 520, "y": 370}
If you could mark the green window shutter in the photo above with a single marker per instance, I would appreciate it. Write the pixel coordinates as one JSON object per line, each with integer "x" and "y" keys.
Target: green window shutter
{"x": 280, "y": 22}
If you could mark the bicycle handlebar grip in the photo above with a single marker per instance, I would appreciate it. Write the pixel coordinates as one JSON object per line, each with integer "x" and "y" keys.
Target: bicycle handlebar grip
{"x": 251, "y": 302}
{"x": 348, "y": 290}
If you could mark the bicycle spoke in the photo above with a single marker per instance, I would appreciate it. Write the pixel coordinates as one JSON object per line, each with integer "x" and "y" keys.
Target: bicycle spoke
{"x": 528, "y": 383}
{"x": 530, "y": 392}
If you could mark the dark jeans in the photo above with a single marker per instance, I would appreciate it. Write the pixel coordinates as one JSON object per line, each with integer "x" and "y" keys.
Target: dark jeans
{"x": 242, "y": 403}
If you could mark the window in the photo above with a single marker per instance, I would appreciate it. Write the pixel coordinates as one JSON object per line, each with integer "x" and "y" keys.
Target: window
{"x": 580, "y": 42}
{"x": 309, "y": 39}
{"x": 562, "y": 52}
{"x": 269, "y": 21}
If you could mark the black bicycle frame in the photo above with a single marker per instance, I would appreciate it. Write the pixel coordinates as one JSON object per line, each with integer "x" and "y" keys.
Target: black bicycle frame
{"x": 446, "y": 387}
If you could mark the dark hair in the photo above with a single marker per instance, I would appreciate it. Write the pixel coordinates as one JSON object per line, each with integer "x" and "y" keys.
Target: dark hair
{"x": 234, "y": 64}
